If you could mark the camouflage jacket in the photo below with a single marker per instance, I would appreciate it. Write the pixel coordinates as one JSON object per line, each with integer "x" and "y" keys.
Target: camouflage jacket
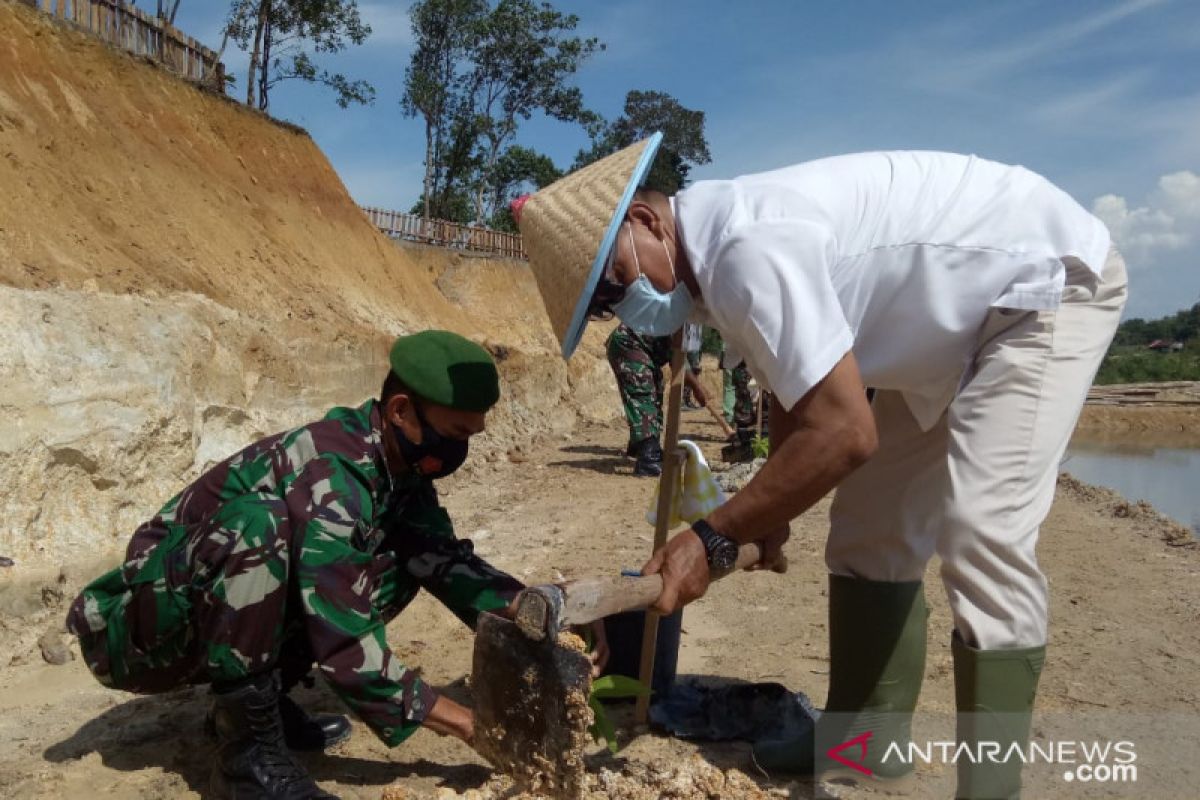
{"x": 362, "y": 545}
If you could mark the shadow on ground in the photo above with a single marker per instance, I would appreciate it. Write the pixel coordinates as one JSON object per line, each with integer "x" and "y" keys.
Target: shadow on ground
{"x": 611, "y": 461}
{"x": 167, "y": 731}
{"x": 163, "y": 730}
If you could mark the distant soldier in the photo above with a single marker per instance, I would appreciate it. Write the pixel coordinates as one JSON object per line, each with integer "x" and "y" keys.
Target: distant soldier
{"x": 744, "y": 415}
{"x": 300, "y": 549}
{"x": 637, "y": 363}
{"x": 693, "y": 337}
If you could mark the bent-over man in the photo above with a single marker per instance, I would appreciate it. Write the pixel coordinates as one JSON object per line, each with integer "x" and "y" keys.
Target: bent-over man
{"x": 976, "y": 298}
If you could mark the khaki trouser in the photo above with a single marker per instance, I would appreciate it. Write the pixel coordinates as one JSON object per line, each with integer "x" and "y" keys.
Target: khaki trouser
{"x": 975, "y": 488}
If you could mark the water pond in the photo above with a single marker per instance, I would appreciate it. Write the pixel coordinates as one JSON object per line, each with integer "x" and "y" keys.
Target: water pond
{"x": 1166, "y": 476}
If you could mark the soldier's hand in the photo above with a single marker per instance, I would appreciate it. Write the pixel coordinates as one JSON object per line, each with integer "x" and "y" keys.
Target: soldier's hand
{"x": 448, "y": 718}
{"x": 596, "y": 638}
{"x": 599, "y": 653}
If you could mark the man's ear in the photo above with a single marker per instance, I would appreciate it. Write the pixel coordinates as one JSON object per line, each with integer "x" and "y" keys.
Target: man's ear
{"x": 396, "y": 408}
{"x": 644, "y": 214}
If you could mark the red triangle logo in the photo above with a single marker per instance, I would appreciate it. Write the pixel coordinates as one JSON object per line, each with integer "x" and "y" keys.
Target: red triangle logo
{"x": 859, "y": 741}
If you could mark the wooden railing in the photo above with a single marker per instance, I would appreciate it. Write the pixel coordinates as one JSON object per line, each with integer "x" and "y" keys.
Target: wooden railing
{"x": 122, "y": 25}
{"x": 414, "y": 228}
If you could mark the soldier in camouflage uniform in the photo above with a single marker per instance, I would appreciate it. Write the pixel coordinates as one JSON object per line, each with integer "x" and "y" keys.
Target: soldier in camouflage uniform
{"x": 693, "y": 338}
{"x": 300, "y": 549}
{"x": 637, "y": 361}
{"x": 745, "y": 416}
{"x": 743, "y": 402}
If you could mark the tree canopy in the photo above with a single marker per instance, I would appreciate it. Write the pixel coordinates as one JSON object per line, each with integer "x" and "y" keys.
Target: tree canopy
{"x": 1130, "y": 361}
{"x": 684, "y": 144}
{"x": 282, "y": 35}
{"x": 1183, "y": 326}
{"x": 476, "y": 73}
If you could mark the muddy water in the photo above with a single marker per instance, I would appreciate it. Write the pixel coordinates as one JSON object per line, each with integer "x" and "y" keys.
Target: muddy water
{"x": 1163, "y": 474}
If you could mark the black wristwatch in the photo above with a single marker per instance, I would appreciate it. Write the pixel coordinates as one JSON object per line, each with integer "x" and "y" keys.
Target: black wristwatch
{"x": 721, "y": 550}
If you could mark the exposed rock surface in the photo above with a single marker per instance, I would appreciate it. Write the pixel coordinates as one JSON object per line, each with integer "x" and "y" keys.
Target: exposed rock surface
{"x": 180, "y": 275}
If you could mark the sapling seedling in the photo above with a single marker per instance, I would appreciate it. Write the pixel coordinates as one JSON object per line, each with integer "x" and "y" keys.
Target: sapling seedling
{"x": 610, "y": 687}
{"x": 760, "y": 446}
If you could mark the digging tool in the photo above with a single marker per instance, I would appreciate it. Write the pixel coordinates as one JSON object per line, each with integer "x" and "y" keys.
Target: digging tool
{"x": 716, "y": 415}
{"x": 668, "y": 484}
{"x": 726, "y": 428}
{"x": 531, "y": 681}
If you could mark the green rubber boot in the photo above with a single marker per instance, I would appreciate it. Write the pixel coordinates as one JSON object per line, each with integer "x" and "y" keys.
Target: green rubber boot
{"x": 994, "y": 692}
{"x": 876, "y": 665}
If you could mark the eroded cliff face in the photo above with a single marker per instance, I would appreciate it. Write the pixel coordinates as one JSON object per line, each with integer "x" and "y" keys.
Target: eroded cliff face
{"x": 180, "y": 275}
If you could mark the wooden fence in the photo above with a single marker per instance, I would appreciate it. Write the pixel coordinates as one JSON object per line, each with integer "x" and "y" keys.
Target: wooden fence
{"x": 122, "y": 25}
{"x": 414, "y": 228}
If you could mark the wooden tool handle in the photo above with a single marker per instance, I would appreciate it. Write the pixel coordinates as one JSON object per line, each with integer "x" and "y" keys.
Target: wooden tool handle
{"x": 720, "y": 418}
{"x": 589, "y": 599}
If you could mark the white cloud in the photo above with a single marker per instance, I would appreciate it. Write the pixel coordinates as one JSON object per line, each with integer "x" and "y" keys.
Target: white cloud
{"x": 987, "y": 63}
{"x": 1065, "y": 109}
{"x": 1168, "y": 221}
{"x": 1181, "y": 194}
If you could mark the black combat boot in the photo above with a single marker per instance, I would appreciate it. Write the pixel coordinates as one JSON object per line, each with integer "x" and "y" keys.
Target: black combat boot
{"x": 311, "y": 732}
{"x": 252, "y": 759}
{"x": 649, "y": 458}
{"x": 302, "y": 731}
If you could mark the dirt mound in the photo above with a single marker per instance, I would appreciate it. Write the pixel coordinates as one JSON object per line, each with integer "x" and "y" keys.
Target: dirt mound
{"x": 1177, "y": 426}
{"x": 1108, "y": 502}
{"x": 179, "y": 274}
{"x": 694, "y": 779}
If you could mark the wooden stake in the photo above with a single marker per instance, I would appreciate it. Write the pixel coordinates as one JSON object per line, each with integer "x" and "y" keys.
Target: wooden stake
{"x": 760, "y": 406}
{"x": 668, "y": 482}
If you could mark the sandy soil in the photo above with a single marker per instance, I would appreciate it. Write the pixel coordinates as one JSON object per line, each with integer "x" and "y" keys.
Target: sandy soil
{"x": 1125, "y": 641}
{"x": 144, "y": 223}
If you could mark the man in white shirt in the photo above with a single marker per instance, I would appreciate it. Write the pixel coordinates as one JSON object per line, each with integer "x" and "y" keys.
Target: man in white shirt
{"x": 976, "y": 298}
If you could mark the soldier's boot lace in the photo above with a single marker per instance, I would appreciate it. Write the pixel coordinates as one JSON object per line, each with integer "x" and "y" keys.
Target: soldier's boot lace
{"x": 302, "y": 731}
{"x": 252, "y": 760}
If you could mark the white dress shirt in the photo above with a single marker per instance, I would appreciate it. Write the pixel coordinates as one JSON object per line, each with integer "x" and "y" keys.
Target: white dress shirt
{"x": 897, "y": 256}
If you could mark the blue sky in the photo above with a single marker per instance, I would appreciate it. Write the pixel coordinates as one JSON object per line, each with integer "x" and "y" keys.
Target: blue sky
{"x": 1100, "y": 96}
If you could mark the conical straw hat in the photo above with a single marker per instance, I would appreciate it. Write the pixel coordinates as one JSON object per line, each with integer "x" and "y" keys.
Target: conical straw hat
{"x": 569, "y": 227}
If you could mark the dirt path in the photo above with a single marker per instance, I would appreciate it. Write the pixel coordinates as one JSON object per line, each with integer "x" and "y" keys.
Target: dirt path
{"x": 1125, "y": 643}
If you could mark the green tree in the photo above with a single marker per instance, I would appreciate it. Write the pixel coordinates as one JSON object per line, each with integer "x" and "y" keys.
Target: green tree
{"x": 453, "y": 205}
{"x": 477, "y": 71}
{"x": 435, "y": 90}
{"x": 279, "y": 34}
{"x": 684, "y": 144}
{"x": 522, "y": 57}
{"x": 518, "y": 171}
{"x": 1129, "y": 361}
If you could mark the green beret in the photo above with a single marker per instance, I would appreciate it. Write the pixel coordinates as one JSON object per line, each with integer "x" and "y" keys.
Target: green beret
{"x": 445, "y": 369}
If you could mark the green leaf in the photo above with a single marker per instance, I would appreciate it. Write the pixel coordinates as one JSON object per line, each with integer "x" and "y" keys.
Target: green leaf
{"x": 760, "y": 446}
{"x": 602, "y": 727}
{"x": 617, "y": 686}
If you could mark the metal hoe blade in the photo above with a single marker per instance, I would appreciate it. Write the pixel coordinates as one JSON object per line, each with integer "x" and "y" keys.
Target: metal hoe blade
{"x": 531, "y": 707}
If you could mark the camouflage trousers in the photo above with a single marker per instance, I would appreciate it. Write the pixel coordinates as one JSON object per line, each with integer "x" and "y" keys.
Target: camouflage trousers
{"x": 743, "y": 398}
{"x": 204, "y": 603}
{"x": 637, "y": 363}
{"x": 745, "y": 409}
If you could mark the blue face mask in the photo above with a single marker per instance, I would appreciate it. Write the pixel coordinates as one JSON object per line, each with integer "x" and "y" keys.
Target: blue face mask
{"x": 649, "y": 311}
